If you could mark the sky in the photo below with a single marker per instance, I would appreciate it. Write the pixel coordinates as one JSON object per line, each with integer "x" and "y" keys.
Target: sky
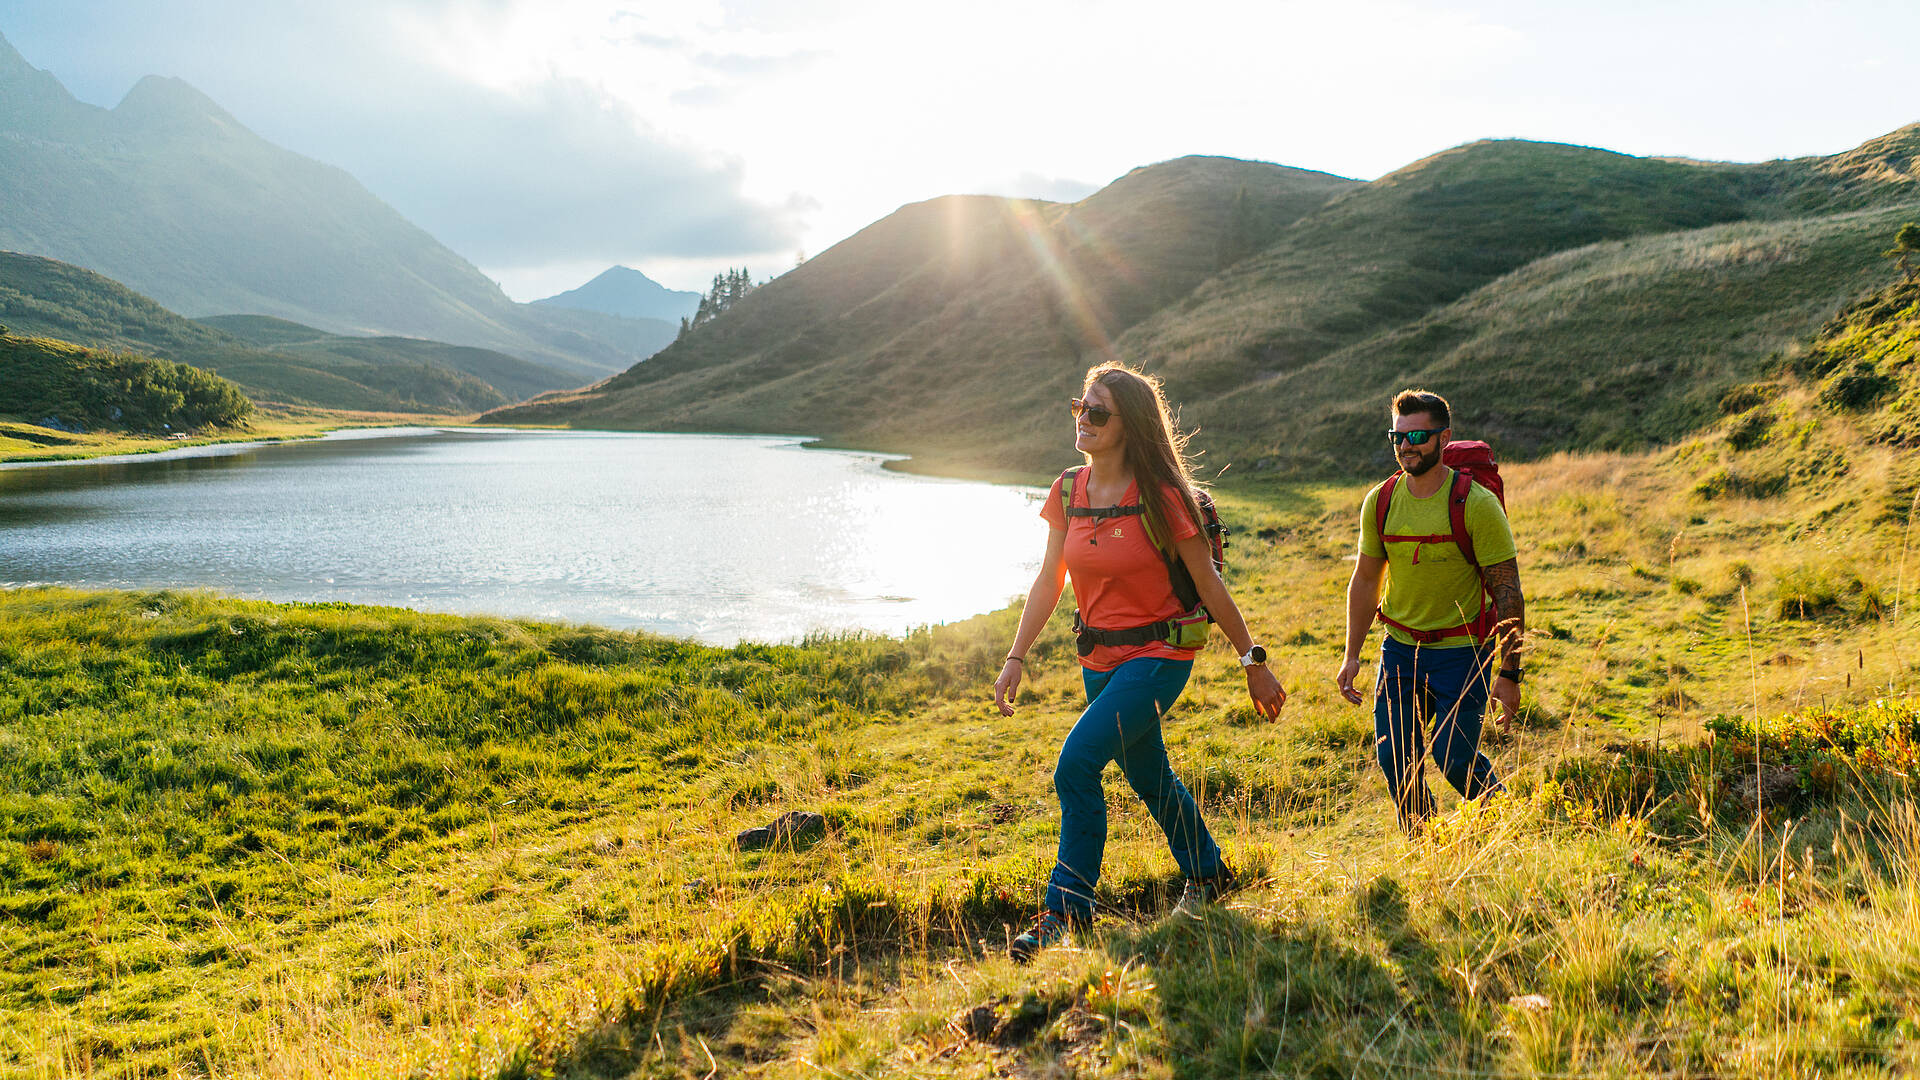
{"x": 546, "y": 140}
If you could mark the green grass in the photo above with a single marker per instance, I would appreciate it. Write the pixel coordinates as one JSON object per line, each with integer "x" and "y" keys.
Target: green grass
{"x": 253, "y": 839}
{"x": 85, "y": 389}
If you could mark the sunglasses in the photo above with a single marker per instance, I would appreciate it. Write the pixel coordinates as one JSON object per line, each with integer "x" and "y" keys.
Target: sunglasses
{"x": 1418, "y": 436}
{"x": 1095, "y": 415}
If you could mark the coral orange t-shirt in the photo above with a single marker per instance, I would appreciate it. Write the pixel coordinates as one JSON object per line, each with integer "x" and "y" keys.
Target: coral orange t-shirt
{"x": 1119, "y": 578}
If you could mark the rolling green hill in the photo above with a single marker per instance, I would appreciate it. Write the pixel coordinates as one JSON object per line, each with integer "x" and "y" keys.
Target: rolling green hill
{"x": 513, "y": 377}
{"x": 170, "y": 194}
{"x": 1617, "y": 345}
{"x": 968, "y": 307}
{"x": 1511, "y": 274}
{"x": 93, "y": 389}
{"x": 51, "y": 299}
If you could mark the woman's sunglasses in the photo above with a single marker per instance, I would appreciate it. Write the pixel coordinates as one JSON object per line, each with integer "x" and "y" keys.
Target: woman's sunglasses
{"x": 1418, "y": 436}
{"x": 1095, "y": 415}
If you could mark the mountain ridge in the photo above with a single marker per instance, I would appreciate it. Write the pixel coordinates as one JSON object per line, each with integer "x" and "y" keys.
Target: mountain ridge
{"x": 1291, "y": 317}
{"x": 292, "y": 364}
{"x": 170, "y": 194}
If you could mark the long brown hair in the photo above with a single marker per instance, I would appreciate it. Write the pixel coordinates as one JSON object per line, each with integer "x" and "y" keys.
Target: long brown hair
{"x": 1155, "y": 451}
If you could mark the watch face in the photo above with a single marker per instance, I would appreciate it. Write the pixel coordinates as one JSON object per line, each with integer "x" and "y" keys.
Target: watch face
{"x": 1258, "y": 654}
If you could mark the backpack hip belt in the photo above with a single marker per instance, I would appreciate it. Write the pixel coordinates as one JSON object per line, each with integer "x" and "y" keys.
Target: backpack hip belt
{"x": 1086, "y": 638}
{"x": 1188, "y": 631}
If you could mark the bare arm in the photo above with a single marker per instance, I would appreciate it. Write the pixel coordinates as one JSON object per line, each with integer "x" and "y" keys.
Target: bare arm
{"x": 1363, "y": 600}
{"x": 1503, "y": 584}
{"x": 1262, "y": 687}
{"x": 1041, "y": 600}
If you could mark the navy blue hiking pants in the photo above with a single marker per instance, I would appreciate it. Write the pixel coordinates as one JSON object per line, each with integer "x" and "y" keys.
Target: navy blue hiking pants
{"x": 1449, "y": 688}
{"x": 1122, "y": 723}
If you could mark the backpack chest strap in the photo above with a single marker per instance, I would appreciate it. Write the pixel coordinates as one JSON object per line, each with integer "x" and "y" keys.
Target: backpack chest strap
{"x": 1101, "y": 513}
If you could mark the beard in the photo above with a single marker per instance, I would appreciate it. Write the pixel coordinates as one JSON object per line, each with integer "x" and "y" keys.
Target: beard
{"x": 1424, "y": 464}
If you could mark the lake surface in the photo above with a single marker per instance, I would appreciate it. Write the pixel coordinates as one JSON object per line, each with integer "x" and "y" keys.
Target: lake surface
{"x": 720, "y": 538}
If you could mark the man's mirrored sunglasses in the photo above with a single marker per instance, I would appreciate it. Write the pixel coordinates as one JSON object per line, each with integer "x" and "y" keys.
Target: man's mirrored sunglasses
{"x": 1095, "y": 415}
{"x": 1418, "y": 436}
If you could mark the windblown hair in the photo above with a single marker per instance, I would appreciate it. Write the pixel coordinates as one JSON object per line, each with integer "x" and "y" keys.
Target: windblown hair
{"x": 1155, "y": 451}
{"x": 1408, "y": 402}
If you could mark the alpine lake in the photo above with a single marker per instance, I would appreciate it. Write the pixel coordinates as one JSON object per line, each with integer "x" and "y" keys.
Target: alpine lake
{"x": 714, "y": 537}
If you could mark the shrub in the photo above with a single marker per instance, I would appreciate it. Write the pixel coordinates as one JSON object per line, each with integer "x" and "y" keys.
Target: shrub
{"x": 1815, "y": 593}
{"x": 1855, "y": 388}
{"x": 1750, "y": 429}
{"x": 1744, "y": 396}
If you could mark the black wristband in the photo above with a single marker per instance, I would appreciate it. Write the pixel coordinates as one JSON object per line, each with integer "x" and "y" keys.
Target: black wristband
{"x": 1512, "y": 675}
{"x": 1021, "y": 660}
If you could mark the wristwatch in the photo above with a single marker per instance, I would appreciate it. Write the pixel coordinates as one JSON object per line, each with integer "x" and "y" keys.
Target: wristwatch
{"x": 1511, "y": 675}
{"x": 1255, "y": 655}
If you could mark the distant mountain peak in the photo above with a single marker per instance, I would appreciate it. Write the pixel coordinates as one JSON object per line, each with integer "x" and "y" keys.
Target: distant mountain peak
{"x": 160, "y": 99}
{"x": 11, "y": 62}
{"x": 624, "y": 291}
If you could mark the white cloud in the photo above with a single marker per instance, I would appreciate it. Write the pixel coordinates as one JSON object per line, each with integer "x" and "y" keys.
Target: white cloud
{"x": 531, "y": 133}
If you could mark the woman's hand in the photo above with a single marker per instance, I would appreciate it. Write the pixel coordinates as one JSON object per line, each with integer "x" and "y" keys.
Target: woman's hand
{"x": 1264, "y": 689}
{"x": 1007, "y": 685}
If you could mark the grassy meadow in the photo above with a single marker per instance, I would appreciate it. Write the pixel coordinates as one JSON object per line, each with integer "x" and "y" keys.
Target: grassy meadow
{"x": 260, "y": 840}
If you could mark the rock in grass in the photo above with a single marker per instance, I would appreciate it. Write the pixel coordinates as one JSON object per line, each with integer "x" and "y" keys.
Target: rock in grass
{"x": 1772, "y": 786}
{"x": 788, "y": 829}
{"x": 980, "y": 1022}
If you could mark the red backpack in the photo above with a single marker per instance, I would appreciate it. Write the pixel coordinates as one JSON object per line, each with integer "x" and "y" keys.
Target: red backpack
{"x": 1472, "y": 463}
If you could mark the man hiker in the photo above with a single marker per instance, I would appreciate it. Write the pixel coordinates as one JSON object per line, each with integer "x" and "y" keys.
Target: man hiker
{"x": 1453, "y": 613}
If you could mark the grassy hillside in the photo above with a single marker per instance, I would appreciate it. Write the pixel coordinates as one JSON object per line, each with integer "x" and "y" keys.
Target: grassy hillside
{"x": 1618, "y": 345}
{"x": 1474, "y": 269}
{"x": 90, "y": 389}
{"x": 291, "y": 840}
{"x": 52, "y": 299}
{"x": 170, "y": 194}
{"x": 996, "y": 299}
{"x": 514, "y": 378}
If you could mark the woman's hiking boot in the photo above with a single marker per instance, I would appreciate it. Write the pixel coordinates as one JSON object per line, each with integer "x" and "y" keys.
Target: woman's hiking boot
{"x": 1049, "y": 928}
{"x": 1201, "y": 892}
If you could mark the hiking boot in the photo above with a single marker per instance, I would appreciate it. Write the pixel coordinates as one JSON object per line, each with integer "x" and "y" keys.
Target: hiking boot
{"x": 1201, "y": 892}
{"x": 1049, "y": 928}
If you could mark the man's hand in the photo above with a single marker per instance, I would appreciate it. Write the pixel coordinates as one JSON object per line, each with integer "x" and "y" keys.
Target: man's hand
{"x": 1264, "y": 689}
{"x": 1007, "y": 685}
{"x": 1507, "y": 693}
{"x": 1348, "y": 672}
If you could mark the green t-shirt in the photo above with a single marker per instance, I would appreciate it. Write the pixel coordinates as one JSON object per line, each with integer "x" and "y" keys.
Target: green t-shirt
{"x": 1432, "y": 586}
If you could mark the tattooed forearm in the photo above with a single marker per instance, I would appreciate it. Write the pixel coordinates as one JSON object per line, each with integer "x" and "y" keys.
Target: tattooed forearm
{"x": 1503, "y": 584}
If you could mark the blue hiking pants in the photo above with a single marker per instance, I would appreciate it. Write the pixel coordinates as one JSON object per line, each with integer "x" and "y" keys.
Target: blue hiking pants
{"x": 1449, "y": 688}
{"x": 1122, "y": 723}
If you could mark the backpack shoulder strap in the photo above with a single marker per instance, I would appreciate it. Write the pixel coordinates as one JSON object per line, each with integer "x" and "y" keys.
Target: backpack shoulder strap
{"x": 1382, "y": 502}
{"x": 1068, "y": 479}
{"x": 1457, "y": 516}
{"x": 1146, "y": 524}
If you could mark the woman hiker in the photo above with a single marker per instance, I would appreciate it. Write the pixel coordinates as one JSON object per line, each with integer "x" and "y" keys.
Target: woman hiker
{"x": 1136, "y": 639}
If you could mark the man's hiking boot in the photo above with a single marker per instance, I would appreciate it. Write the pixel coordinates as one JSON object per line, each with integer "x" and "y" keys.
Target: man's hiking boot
{"x": 1049, "y": 928}
{"x": 1203, "y": 891}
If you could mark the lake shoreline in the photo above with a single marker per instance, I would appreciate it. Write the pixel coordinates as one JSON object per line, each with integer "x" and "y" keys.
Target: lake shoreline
{"x": 67, "y": 448}
{"x": 24, "y": 444}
